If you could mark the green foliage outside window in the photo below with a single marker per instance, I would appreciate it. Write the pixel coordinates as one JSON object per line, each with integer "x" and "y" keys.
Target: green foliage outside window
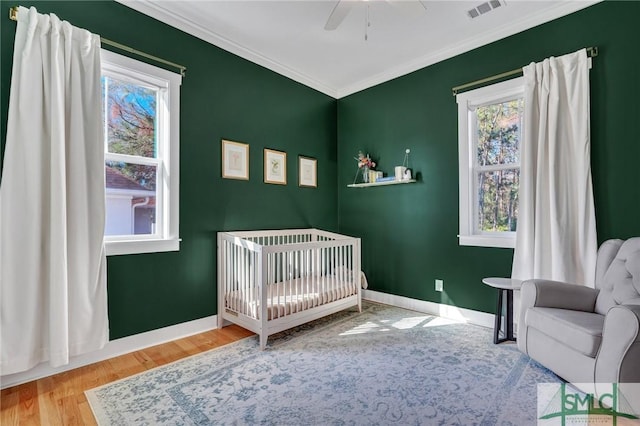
{"x": 131, "y": 117}
{"x": 498, "y": 165}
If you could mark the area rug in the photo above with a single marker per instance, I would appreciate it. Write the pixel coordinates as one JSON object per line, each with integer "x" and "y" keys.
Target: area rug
{"x": 384, "y": 366}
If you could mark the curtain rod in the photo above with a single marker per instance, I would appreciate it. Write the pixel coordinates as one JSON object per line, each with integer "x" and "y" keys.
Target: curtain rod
{"x": 591, "y": 53}
{"x": 13, "y": 15}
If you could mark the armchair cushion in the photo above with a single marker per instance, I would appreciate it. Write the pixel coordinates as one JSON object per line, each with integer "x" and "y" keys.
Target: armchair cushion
{"x": 578, "y": 329}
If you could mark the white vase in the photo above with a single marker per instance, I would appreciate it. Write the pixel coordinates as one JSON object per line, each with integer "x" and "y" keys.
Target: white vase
{"x": 365, "y": 174}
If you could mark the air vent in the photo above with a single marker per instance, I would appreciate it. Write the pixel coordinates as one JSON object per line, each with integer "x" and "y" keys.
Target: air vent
{"x": 485, "y": 7}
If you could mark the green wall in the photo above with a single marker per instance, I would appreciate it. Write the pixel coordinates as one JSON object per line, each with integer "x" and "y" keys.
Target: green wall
{"x": 222, "y": 96}
{"x": 409, "y": 231}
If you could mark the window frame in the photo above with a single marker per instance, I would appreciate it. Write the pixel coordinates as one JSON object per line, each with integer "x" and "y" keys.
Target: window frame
{"x": 167, "y": 160}
{"x": 467, "y": 146}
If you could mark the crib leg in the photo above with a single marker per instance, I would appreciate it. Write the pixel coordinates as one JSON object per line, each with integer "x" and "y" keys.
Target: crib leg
{"x": 263, "y": 341}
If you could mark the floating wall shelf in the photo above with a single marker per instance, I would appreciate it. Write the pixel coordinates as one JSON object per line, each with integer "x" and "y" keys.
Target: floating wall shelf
{"x": 388, "y": 182}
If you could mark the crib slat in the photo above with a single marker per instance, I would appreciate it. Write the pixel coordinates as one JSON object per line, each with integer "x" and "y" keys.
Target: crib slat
{"x": 291, "y": 277}
{"x": 263, "y": 268}
{"x": 239, "y": 284}
{"x": 286, "y": 281}
{"x": 245, "y": 279}
{"x": 232, "y": 302}
{"x": 271, "y": 277}
{"x": 232, "y": 263}
{"x": 238, "y": 279}
{"x": 352, "y": 271}
{"x": 229, "y": 282}
{"x": 300, "y": 289}
{"x": 278, "y": 289}
{"x": 340, "y": 272}
{"x": 288, "y": 260}
{"x": 332, "y": 277}
{"x": 240, "y": 264}
{"x": 312, "y": 283}
{"x": 278, "y": 264}
{"x": 304, "y": 273}
{"x": 323, "y": 268}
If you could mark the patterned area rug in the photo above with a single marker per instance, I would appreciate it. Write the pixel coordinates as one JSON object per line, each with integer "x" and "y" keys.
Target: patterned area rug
{"x": 384, "y": 366}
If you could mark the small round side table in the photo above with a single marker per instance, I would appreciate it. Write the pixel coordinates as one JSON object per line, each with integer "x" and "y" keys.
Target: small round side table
{"x": 505, "y": 287}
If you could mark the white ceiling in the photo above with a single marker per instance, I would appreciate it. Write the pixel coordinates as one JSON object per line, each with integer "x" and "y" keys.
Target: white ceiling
{"x": 289, "y": 38}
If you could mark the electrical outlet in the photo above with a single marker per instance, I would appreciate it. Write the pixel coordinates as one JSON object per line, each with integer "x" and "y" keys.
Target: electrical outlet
{"x": 439, "y": 285}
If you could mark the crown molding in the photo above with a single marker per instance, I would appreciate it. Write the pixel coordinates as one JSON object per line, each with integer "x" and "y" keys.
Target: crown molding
{"x": 562, "y": 9}
{"x": 155, "y": 10}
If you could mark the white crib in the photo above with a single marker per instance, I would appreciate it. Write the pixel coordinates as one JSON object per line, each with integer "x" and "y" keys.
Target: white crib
{"x": 270, "y": 281}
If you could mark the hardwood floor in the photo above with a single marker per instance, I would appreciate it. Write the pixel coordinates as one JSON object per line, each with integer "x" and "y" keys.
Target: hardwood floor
{"x": 60, "y": 400}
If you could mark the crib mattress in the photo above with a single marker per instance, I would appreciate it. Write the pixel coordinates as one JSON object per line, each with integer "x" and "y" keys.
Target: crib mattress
{"x": 291, "y": 296}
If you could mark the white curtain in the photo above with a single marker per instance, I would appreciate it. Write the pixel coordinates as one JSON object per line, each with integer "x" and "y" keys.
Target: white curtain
{"x": 52, "y": 198}
{"x": 556, "y": 232}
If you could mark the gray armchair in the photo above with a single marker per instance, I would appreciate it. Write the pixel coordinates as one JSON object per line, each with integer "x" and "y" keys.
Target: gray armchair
{"x": 587, "y": 335}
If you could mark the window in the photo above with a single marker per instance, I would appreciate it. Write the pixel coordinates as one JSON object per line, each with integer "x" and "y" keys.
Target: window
{"x": 489, "y": 139}
{"x": 141, "y": 107}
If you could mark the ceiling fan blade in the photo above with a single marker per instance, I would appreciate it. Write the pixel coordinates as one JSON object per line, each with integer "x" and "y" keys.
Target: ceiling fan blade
{"x": 340, "y": 11}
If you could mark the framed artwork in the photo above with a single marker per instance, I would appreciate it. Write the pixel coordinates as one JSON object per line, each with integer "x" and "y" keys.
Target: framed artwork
{"x": 235, "y": 160}
{"x": 307, "y": 172}
{"x": 275, "y": 167}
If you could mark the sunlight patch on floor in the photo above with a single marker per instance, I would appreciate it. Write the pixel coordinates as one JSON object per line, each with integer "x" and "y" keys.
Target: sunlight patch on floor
{"x": 402, "y": 324}
{"x": 411, "y": 322}
{"x": 368, "y": 327}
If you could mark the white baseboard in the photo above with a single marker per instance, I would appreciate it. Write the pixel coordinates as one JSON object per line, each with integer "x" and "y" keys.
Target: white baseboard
{"x": 115, "y": 348}
{"x": 445, "y": 311}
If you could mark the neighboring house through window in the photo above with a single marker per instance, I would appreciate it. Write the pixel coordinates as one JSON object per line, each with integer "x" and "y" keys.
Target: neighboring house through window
{"x": 489, "y": 140}
{"x": 141, "y": 106}
{"x": 130, "y": 206}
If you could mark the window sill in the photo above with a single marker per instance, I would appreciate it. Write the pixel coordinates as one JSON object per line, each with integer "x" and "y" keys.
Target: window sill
{"x": 487, "y": 241}
{"x": 115, "y": 248}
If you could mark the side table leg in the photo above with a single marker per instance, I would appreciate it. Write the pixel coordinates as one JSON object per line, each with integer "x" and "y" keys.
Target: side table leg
{"x": 509, "y": 330}
{"x": 498, "y": 325}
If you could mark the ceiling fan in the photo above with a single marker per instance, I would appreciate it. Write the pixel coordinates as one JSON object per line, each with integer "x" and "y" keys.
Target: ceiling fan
{"x": 343, "y": 7}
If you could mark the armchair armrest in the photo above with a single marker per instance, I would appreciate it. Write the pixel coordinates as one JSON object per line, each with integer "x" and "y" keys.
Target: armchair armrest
{"x": 556, "y": 294}
{"x": 619, "y": 353}
{"x": 552, "y": 294}
{"x": 617, "y": 361}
